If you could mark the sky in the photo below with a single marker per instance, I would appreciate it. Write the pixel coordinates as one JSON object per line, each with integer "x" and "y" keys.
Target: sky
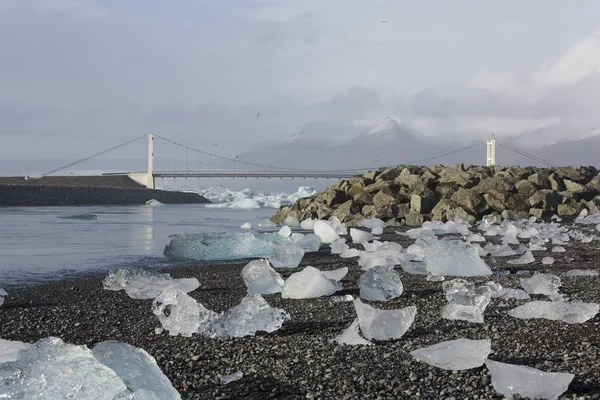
{"x": 77, "y": 76}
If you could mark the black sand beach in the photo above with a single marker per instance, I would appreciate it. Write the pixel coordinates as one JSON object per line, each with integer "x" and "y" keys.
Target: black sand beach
{"x": 299, "y": 361}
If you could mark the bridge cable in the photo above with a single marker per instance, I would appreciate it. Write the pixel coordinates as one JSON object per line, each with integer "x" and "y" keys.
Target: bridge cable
{"x": 93, "y": 156}
{"x": 526, "y": 154}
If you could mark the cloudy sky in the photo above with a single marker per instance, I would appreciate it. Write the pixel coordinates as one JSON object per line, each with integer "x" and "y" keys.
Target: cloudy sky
{"x": 80, "y": 75}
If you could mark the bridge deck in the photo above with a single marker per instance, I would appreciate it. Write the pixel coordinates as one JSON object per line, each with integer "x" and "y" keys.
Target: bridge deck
{"x": 247, "y": 174}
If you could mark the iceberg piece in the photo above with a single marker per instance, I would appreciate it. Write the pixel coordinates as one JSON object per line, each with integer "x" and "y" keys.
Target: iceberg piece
{"x": 261, "y": 278}
{"x": 509, "y": 379}
{"x": 455, "y": 355}
{"x": 325, "y": 232}
{"x": 500, "y": 292}
{"x": 547, "y": 260}
{"x": 309, "y": 283}
{"x": 9, "y": 349}
{"x": 380, "y": 284}
{"x": 351, "y": 253}
{"x": 236, "y": 376}
{"x": 137, "y": 369}
{"x": 338, "y": 226}
{"x": 3, "y": 294}
{"x": 510, "y": 239}
{"x": 140, "y": 284}
{"x": 253, "y": 314}
{"x": 449, "y": 257}
{"x": 466, "y": 301}
{"x": 342, "y": 299}
{"x": 350, "y": 336}
{"x": 376, "y": 324}
{"x": 222, "y": 246}
{"x": 339, "y": 246}
{"x": 180, "y": 314}
{"x": 308, "y": 224}
{"x": 309, "y": 242}
{"x": 526, "y": 258}
{"x": 373, "y": 223}
{"x": 266, "y": 223}
{"x": 376, "y": 231}
{"x": 286, "y": 255}
{"x": 475, "y": 238}
{"x": 336, "y": 274}
{"x": 359, "y": 236}
{"x": 546, "y": 284}
{"x": 434, "y": 278}
{"x": 285, "y": 231}
{"x": 291, "y": 222}
{"x": 501, "y": 251}
{"x": 246, "y": 225}
{"x": 558, "y": 249}
{"x": 154, "y": 203}
{"x": 571, "y": 312}
{"x": 52, "y": 369}
{"x": 581, "y": 272}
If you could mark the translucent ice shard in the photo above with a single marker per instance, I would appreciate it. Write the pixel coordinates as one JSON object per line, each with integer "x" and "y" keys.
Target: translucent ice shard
{"x": 309, "y": 283}
{"x": 546, "y": 284}
{"x": 339, "y": 246}
{"x": 581, "y": 272}
{"x": 140, "y": 284}
{"x": 137, "y": 369}
{"x": 9, "y": 349}
{"x": 309, "y": 242}
{"x": 380, "y": 284}
{"x": 383, "y": 324}
{"x": 547, "y": 260}
{"x": 308, "y": 224}
{"x": 526, "y": 258}
{"x": 338, "y": 226}
{"x": 285, "y": 231}
{"x": 286, "y": 255}
{"x": 336, "y": 274}
{"x": 350, "y": 253}
{"x": 291, "y": 222}
{"x": 261, "y": 278}
{"x": 450, "y": 257}
{"x": 325, "y": 232}
{"x": 351, "y": 336}
{"x": 266, "y": 223}
{"x": 500, "y": 292}
{"x": 571, "y": 312}
{"x": 180, "y": 314}
{"x": 456, "y": 354}
{"x": 359, "y": 236}
{"x": 236, "y": 376}
{"x": 342, "y": 299}
{"x": 466, "y": 301}
{"x": 372, "y": 223}
{"x": 509, "y": 379}
{"x": 246, "y": 225}
{"x": 253, "y": 314}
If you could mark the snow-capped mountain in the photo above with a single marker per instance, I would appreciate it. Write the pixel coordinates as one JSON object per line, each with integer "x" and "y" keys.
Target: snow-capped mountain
{"x": 389, "y": 130}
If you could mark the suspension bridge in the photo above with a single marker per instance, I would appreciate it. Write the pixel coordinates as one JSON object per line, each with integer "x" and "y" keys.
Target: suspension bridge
{"x": 247, "y": 169}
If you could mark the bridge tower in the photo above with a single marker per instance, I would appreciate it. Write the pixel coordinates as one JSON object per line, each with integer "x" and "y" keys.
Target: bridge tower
{"x": 491, "y": 150}
{"x": 150, "y": 176}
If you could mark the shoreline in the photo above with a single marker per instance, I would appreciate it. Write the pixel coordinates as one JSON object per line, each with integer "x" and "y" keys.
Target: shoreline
{"x": 298, "y": 361}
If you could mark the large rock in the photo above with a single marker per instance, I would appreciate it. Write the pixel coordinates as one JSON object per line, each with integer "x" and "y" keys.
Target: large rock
{"x": 332, "y": 197}
{"x": 526, "y": 188}
{"x": 420, "y": 204}
{"x": 470, "y": 201}
{"x": 545, "y": 199}
{"x": 384, "y": 198}
{"x": 495, "y": 183}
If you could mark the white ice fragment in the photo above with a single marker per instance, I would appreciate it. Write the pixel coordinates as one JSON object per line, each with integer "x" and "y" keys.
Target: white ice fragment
{"x": 455, "y": 355}
{"x": 261, "y": 278}
{"x": 338, "y": 226}
{"x": 372, "y": 223}
{"x": 556, "y": 218}
{"x": 253, "y": 314}
{"x": 500, "y": 292}
{"x": 450, "y": 257}
{"x": 9, "y": 349}
{"x": 180, "y": 314}
{"x": 350, "y": 336}
{"x": 581, "y": 272}
{"x": 308, "y": 283}
{"x": 547, "y": 260}
{"x": 546, "y": 284}
{"x": 154, "y": 203}
{"x": 558, "y": 249}
{"x": 236, "y": 376}
{"x": 571, "y": 312}
{"x": 500, "y": 251}
{"x": 266, "y": 223}
{"x": 509, "y": 379}
{"x": 342, "y": 299}
{"x": 380, "y": 284}
{"x": 308, "y": 224}
{"x": 475, "y": 238}
{"x": 351, "y": 253}
{"x": 309, "y": 242}
{"x": 140, "y": 284}
{"x": 376, "y": 231}
{"x": 359, "y": 236}
{"x": 286, "y": 255}
{"x": 510, "y": 239}
{"x": 339, "y": 246}
{"x": 246, "y": 225}
{"x": 137, "y": 369}
{"x": 376, "y": 324}
{"x": 466, "y": 301}
{"x": 434, "y": 278}
{"x": 325, "y": 232}
{"x": 3, "y": 294}
{"x": 336, "y": 274}
{"x": 291, "y": 222}
{"x": 285, "y": 231}
{"x": 526, "y": 258}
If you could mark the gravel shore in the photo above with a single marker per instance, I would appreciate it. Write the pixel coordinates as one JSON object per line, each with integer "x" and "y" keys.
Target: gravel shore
{"x": 299, "y": 361}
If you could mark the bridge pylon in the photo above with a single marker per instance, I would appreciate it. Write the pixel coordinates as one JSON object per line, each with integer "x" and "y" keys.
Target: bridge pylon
{"x": 150, "y": 176}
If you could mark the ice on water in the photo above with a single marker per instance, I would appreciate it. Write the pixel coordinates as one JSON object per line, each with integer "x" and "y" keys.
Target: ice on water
{"x": 141, "y": 284}
{"x": 286, "y": 255}
{"x": 380, "y": 284}
{"x": 571, "y": 312}
{"x": 455, "y": 355}
{"x": 325, "y": 232}
{"x": 309, "y": 283}
{"x": 351, "y": 336}
{"x": 509, "y": 379}
{"x": 261, "y": 278}
{"x": 376, "y": 324}
{"x": 154, "y": 203}
{"x": 246, "y": 225}
{"x": 466, "y": 301}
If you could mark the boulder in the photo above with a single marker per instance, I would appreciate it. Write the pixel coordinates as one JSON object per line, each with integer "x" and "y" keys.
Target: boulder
{"x": 420, "y": 204}
{"x": 384, "y": 198}
{"x": 567, "y": 210}
{"x": 526, "y": 187}
{"x": 545, "y": 199}
{"x": 414, "y": 219}
{"x": 494, "y": 183}
{"x": 470, "y": 201}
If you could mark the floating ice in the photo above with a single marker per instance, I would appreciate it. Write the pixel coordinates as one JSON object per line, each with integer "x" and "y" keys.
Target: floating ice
{"x": 336, "y": 274}
{"x": 308, "y": 224}
{"x": 266, "y": 223}
{"x": 253, "y": 314}
{"x": 246, "y": 225}
{"x": 222, "y": 246}
{"x": 260, "y": 278}
{"x": 509, "y": 379}
{"x": 226, "y": 198}
{"x": 9, "y": 350}
{"x": 546, "y": 284}
{"x": 380, "y": 284}
{"x": 500, "y": 292}
{"x": 137, "y": 369}
{"x": 455, "y": 355}
{"x": 236, "y": 376}
{"x": 571, "y": 312}
{"x": 581, "y": 272}
{"x": 325, "y": 232}
{"x": 339, "y": 246}
{"x": 383, "y": 324}
{"x": 526, "y": 258}
{"x": 359, "y": 236}
{"x": 291, "y": 222}
{"x": 140, "y": 284}
{"x": 3, "y": 294}
{"x": 466, "y": 301}
{"x": 342, "y": 299}
{"x": 285, "y": 231}
{"x": 286, "y": 255}
{"x": 309, "y": 283}
{"x": 351, "y": 336}
{"x": 547, "y": 260}
{"x": 83, "y": 217}
{"x": 154, "y": 203}
{"x": 180, "y": 314}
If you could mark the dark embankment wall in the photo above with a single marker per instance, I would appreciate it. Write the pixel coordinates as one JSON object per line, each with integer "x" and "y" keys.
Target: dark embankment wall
{"x": 93, "y": 190}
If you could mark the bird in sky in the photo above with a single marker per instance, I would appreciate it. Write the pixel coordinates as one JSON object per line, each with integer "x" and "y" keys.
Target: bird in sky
{"x": 257, "y": 115}
{"x": 384, "y": 21}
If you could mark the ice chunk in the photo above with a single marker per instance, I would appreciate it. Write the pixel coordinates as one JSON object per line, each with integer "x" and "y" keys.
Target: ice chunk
{"x": 475, "y": 238}
{"x": 3, "y": 294}
{"x": 509, "y": 379}
{"x": 140, "y": 284}
{"x": 383, "y": 324}
{"x": 581, "y": 272}
{"x": 308, "y": 224}
{"x": 291, "y": 222}
{"x": 450, "y": 257}
{"x": 499, "y": 292}
{"x": 558, "y": 249}
{"x": 246, "y": 225}
{"x": 455, "y": 355}
{"x": 342, "y": 299}
{"x": 359, "y": 236}
{"x": 309, "y": 242}
{"x": 286, "y": 255}
{"x": 180, "y": 314}
{"x": 266, "y": 223}
{"x": 285, "y": 231}
{"x": 510, "y": 239}
{"x": 236, "y": 376}
{"x": 222, "y": 246}
{"x": 501, "y": 251}
{"x": 351, "y": 253}
{"x": 466, "y": 301}
{"x": 337, "y": 274}
{"x": 338, "y": 226}
{"x": 376, "y": 231}
{"x": 260, "y": 278}
{"x": 339, "y": 246}
{"x": 325, "y": 232}
{"x": 372, "y": 223}
{"x": 351, "y": 336}
{"x": 308, "y": 283}
{"x": 571, "y": 312}
{"x": 253, "y": 314}
{"x": 547, "y": 260}
{"x": 154, "y": 203}
{"x": 434, "y": 278}
{"x": 526, "y": 258}
{"x": 52, "y": 369}
{"x": 9, "y": 349}
{"x": 546, "y": 284}
{"x": 380, "y": 284}
{"x": 137, "y": 369}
